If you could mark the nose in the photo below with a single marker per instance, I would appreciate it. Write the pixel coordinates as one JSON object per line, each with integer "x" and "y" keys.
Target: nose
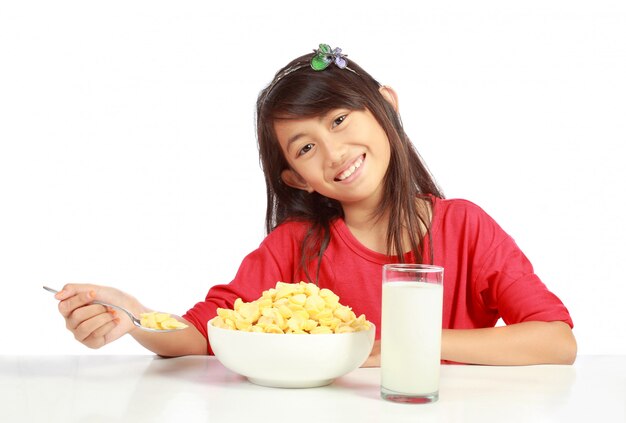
{"x": 336, "y": 152}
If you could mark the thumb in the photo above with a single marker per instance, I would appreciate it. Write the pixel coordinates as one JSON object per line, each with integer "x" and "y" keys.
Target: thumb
{"x": 71, "y": 289}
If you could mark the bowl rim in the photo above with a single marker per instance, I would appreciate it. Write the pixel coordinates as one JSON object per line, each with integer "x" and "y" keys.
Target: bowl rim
{"x": 372, "y": 328}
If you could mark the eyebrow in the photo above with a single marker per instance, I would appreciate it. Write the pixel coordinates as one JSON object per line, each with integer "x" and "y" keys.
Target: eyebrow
{"x": 294, "y": 138}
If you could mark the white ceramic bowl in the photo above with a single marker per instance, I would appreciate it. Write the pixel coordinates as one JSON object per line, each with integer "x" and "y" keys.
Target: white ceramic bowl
{"x": 290, "y": 360}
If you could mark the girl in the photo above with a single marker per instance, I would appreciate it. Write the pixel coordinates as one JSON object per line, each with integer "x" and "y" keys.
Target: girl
{"x": 346, "y": 193}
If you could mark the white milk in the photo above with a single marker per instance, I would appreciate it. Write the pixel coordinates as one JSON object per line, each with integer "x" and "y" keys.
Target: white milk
{"x": 411, "y": 337}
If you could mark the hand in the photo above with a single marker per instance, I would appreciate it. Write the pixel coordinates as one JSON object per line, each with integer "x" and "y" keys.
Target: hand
{"x": 94, "y": 325}
{"x": 374, "y": 359}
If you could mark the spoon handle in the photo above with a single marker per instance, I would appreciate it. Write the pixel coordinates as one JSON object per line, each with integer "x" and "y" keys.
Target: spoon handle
{"x": 135, "y": 321}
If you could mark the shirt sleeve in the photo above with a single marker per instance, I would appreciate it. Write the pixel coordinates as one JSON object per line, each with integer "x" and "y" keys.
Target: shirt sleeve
{"x": 507, "y": 284}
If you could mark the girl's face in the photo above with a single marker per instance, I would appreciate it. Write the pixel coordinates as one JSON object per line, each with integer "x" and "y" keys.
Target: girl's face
{"x": 342, "y": 155}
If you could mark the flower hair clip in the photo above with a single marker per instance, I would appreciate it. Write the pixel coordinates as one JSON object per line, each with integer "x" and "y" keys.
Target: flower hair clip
{"x": 324, "y": 56}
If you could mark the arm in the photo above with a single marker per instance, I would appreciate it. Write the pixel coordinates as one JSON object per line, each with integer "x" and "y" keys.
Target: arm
{"x": 523, "y": 343}
{"x": 95, "y": 326}
{"x": 517, "y": 344}
{"x": 173, "y": 344}
{"x": 502, "y": 282}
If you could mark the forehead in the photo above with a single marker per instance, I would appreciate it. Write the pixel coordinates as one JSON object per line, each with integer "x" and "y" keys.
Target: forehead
{"x": 296, "y": 121}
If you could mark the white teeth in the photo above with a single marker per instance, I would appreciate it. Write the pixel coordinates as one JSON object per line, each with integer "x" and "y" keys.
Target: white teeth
{"x": 348, "y": 172}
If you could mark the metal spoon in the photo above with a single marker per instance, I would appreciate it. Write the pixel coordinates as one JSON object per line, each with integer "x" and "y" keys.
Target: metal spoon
{"x": 135, "y": 321}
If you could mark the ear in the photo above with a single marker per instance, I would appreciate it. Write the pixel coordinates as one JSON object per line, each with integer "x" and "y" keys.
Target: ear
{"x": 294, "y": 180}
{"x": 390, "y": 95}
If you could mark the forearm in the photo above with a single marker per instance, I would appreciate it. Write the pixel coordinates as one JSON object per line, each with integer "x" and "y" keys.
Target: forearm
{"x": 188, "y": 341}
{"x": 518, "y": 344}
{"x": 173, "y": 344}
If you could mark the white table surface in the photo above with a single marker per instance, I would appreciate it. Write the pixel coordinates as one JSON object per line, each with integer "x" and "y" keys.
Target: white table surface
{"x": 96, "y": 388}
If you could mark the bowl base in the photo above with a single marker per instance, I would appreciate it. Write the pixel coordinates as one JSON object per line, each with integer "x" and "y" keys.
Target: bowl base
{"x": 290, "y": 384}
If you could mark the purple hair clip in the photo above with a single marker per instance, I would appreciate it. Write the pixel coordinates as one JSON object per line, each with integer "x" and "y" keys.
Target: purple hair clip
{"x": 324, "y": 56}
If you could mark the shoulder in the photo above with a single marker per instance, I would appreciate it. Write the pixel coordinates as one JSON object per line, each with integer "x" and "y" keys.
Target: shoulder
{"x": 280, "y": 249}
{"x": 288, "y": 231}
{"x": 459, "y": 209}
{"x": 463, "y": 218}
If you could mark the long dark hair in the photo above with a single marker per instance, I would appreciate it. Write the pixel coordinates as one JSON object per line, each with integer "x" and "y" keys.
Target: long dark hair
{"x": 299, "y": 91}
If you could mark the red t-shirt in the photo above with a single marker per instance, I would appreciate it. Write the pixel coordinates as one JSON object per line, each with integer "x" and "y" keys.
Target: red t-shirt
{"x": 486, "y": 275}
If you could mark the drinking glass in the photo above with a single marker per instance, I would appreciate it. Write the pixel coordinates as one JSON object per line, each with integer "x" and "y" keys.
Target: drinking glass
{"x": 412, "y": 305}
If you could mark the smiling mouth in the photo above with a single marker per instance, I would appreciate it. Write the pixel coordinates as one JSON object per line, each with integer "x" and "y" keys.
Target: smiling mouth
{"x": 349, "y": 171}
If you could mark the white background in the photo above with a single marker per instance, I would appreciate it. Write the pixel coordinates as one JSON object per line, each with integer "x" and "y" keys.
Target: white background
{"x": 128, "y": 154}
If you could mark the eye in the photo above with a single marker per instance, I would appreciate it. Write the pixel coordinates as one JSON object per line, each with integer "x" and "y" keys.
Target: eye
{"x": 339, "y": 120}
{"x": 305, "y": 149}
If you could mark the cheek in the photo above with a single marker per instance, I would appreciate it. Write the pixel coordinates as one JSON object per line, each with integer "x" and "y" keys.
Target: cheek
{"x": 384, "y": 148}
{"x": 309, "y": 171}
{"x": 314, "y": 177}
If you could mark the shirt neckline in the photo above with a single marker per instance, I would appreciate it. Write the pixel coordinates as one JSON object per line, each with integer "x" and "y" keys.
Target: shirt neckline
{"x": 357, "y": 247}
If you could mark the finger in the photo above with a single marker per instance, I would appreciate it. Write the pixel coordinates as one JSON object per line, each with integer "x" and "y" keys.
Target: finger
{"x": 67, "y": 307}
{"x": 88, "y": 327}
{"x": 98, "y": 338}
{"x": 84, "y": 313}
{"x": 71, "y": 289}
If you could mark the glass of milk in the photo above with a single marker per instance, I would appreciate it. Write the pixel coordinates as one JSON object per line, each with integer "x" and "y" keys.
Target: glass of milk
{"x": 412, "y": 307}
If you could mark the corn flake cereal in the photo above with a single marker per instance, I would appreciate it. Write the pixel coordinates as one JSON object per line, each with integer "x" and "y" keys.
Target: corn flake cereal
{"x": 301, "y": 308}
{"x": 160, "y": 321}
